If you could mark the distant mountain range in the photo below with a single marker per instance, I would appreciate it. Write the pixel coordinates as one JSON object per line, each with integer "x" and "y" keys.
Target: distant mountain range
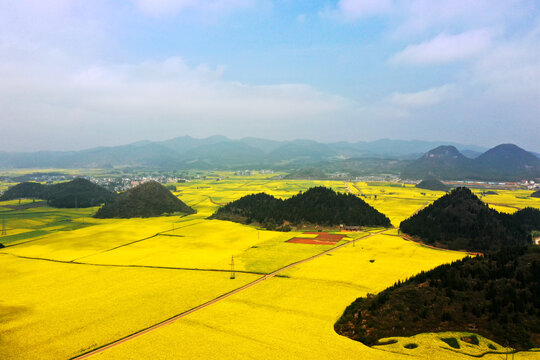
{"x": 506, "y": 162}
{"x": 221, "y": 152}
{"x": 412, "y": 159}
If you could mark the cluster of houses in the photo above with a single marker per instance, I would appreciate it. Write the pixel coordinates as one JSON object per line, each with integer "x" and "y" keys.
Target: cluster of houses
{"x": 128, "y": 182}
{"x": 523, "y": 184}
{"x": 530, "y": 184}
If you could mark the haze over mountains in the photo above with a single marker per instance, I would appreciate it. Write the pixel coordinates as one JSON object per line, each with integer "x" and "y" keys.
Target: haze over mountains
{"x": 188, "y": 152}
{"x": 412, "y": 159}
{"x": 505, "y": 162}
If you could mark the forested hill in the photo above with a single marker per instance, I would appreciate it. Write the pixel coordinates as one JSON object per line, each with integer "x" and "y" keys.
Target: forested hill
{"x": 318, "y": 205}
{"x": 25, "y": 190}
{"x": 78, "y": 192}
{"x": 145, "y": 200}
{"x": 496, "y": 296}
{"x": 460, "y": 220}
{"x": 433, "y": 184}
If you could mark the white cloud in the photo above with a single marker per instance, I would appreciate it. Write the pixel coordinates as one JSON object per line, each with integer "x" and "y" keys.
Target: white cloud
{"x": 154, "y": 98}
{"x": 418, "y": 17}
{"x": 445, "y": 48}
{"x": 424, "y": 98}
{"x": 354, "y": 9}
{"x": 170, "y": 7}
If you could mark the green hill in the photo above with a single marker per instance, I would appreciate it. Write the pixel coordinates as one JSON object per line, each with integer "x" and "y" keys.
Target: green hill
{"x": 496, "y": 296}
{"x": 78, "y": 192}
{"x": 146, "y": 200}
{"x": 432, "y": 184}
{"x": 460, "y": 220}
{"x": 318, "y": 205}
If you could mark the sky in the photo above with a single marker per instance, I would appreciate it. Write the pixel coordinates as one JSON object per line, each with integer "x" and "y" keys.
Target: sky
{"x": 76, "y": 74}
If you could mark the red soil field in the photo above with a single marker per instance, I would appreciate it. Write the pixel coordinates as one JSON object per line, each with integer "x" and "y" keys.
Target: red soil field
{"x": 310, "y": 241}
{"x": 330, "y": 237}
{"x": 323, "y": 238}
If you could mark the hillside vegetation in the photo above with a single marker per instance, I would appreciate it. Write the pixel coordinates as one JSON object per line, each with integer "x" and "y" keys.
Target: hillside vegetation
{"x": 460, "y": 220}
{"x": 318, "y": 205}
{"x": 496, "y": 296}
{"x": 145, "y": 200}
{"x": 536, "y": 194}
{"x": 25, "y": 190}
{"x": 78, "y": 192}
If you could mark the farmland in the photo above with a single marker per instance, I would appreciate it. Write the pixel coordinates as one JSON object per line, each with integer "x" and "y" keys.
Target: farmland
{"x": 72, "y": 283}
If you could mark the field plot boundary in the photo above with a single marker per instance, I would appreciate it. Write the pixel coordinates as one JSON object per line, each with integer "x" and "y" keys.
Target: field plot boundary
{"x": 132, "y": 265}
{"x": 219, "y": 298}
{"x": 133, "y": 242}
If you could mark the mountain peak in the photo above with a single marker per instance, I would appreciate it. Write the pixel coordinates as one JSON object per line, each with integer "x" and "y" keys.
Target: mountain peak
{"x": 506, "y": 162}
{"x": 447, "y": 151}
{"x": 510, "y": 157}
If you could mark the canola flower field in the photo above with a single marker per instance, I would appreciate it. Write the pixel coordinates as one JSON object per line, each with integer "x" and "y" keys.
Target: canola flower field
{"x": 80, "y": 283}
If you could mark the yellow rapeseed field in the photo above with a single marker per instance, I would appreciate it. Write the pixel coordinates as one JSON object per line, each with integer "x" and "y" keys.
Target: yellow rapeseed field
{"x": 292, "y": 317}
{"x": 55, "y": 311}
{"x": 210, "y": 244}
{"x": 76, "y": 244}
{"x": 100, "y": 280}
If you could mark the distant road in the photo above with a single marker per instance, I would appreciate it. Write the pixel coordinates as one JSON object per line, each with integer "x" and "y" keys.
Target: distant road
{"x": 216, "y": 203}
{"x": 206, "y": 304}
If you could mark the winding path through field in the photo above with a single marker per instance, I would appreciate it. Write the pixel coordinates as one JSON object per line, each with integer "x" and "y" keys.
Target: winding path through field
{"x": 219, "y": 298}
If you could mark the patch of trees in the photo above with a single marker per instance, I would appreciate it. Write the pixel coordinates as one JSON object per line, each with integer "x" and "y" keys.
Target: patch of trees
{"x": 433, "y": 184}
{"x": 77, "y": 193}
{"x": 536, "y": 194}
{"x": 496, "y": 296}
{"x": 145, "y": 200}
{"x": 460, "y": 220}
{"x": 318, "y": 205}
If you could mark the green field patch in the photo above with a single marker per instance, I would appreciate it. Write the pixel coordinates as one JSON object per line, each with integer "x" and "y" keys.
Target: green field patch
{"x": 9, "y": 239}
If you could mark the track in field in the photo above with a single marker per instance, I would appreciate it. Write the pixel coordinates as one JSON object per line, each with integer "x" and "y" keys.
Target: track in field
{"x": 222, "y": 297}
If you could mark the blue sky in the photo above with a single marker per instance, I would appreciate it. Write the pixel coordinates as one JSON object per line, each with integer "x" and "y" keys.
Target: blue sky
{"x": 78, "y": 74}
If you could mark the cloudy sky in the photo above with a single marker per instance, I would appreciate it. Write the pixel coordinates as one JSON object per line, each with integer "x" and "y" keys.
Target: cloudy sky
{"x": 76, "y": 74}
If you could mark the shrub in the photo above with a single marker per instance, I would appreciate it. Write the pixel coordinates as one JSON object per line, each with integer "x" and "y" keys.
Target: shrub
{"x": 452, "y": 342}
